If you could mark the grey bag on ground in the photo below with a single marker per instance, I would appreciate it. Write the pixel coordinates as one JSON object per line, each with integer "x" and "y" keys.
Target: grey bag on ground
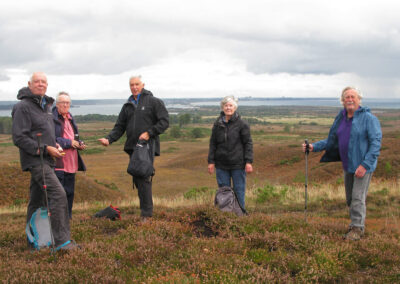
{"x": 226, "y": 200}
{"x": 38, "y": 229}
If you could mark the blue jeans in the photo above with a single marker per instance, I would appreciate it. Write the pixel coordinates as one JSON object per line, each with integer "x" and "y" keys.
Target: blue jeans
{"x": 356, "y": 195}
{"x": 238, "y": 177}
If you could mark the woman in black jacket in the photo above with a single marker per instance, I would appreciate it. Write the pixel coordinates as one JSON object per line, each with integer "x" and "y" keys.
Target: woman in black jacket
{"x": 231, "y": 149}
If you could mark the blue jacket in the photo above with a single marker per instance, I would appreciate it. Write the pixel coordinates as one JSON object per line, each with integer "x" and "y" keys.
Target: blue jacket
{"x": 364, "y": 143}
{"x": 65, "y": 143}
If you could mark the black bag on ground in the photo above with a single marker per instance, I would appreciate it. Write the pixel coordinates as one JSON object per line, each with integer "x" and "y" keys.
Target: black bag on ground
{"x": 227, "y": 201}
{"x": 109, "y": 212}
{"x": 141, "y": 162}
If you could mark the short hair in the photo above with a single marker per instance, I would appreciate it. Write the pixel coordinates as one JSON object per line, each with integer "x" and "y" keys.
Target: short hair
{"x": 229, "y": 99}
{"x": 359, "y": 94}
{"x": 136, "y": 77}
{"x": 62, "y": 94}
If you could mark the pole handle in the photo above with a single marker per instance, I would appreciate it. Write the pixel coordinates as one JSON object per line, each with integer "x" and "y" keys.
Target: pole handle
{"x": 307, "y": 146}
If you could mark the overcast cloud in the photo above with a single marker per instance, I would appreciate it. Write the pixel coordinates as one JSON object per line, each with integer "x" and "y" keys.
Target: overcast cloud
{"x": 202, "y": 48}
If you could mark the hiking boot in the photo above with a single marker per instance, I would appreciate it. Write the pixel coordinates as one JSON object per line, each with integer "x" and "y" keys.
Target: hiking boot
{"x": 354, "y": 234}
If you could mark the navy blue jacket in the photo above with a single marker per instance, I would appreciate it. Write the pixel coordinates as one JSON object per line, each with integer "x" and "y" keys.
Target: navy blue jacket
{"x": 364, "y": 143}
{"x": 65, "y": 143}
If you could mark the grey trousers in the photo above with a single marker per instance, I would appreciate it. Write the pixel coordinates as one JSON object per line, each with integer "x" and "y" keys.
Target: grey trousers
{"x": 356, "y": 195}
{"x": 58, "y": 204}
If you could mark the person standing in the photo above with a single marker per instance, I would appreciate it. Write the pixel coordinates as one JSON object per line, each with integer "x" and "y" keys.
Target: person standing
{"x": 67, "y": 137}
{"x": 355, "y": 139}
{"x": 32, "y": 115}
{"x": 142, "y": 117}
{"x": 231, "y": 149}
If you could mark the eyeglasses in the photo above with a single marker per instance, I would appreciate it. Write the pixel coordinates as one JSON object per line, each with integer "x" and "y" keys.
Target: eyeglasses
{"x": 64, "y": 103}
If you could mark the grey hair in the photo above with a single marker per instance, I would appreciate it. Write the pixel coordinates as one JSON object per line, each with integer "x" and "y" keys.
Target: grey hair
{"x": 359, "y": 94}
{"x": 62, "y": 94}
{"x": 229, "y": 99}
{"x": 136, "y": 77}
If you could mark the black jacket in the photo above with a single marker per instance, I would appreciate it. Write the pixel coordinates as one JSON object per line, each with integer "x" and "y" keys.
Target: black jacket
{"x": 231, "y": 146}
{"x": 29, "y": 119}
{"x": 65, "y": 143}
{"x": 149, "y": 115}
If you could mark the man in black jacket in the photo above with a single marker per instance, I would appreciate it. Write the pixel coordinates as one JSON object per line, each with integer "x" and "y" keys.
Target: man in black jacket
{"x": 142, "y": 117}
{"x": 32, "y": 115}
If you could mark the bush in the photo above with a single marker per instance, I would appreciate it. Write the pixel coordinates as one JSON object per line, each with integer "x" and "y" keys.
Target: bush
{"x": 5, "y": 125}
{"x": 197, "y": 133}
{"x": 175, "y": 131}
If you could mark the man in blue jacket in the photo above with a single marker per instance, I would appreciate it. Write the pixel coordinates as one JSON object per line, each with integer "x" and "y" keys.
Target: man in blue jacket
{"x": 355, "y": 139}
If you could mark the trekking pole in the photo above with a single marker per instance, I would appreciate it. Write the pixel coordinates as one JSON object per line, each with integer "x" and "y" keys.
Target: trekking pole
{"x": 306, "y": 179}
{"x": 39, "y": 135}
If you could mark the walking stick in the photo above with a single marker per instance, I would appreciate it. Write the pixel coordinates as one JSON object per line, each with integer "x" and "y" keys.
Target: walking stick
{"x": 306, "y": 179}
{"x": 39, "y": 135}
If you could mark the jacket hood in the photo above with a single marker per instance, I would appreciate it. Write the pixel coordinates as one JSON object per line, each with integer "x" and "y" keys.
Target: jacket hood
{"x": 25, "y": 93}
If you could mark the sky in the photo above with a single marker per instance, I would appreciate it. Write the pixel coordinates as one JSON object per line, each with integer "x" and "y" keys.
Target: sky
{"x": 208, "y": 48}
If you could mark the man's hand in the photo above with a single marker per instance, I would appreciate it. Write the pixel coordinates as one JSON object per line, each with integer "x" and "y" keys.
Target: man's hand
{"x": 54, "y": 152}
{"x": 104, "y": 141}
{"x": 211, "y": 168}
{"x": 144, "y": 136}
{"x": 360, "y": 171}
{"x": 248, "y": 168}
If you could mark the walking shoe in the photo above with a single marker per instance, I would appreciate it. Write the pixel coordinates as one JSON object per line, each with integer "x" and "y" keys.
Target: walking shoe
{"x": 70, "y": 245}
{"x": 354, "y": 234}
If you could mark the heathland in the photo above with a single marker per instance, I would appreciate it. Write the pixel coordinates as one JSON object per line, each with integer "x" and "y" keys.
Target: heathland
{"x": 188, "y": 240}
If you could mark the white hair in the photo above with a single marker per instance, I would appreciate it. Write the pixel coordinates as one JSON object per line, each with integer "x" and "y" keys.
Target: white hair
{"x": 62, "y": 94}
{"x": 136, "y": 77}
{"x": 229, "y": 99}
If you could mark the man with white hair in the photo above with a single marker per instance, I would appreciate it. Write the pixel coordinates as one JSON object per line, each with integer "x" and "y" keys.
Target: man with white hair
{"x": 31, "y": 116}
{"x": 355, "y": 139}
{"x": 142, "y": 117}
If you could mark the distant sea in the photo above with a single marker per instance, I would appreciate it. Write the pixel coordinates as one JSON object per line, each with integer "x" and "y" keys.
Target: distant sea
{"x": 114, "y": 107}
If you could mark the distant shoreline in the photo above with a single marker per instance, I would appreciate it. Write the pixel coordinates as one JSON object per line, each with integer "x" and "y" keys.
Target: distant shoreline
{"x": 113, "y": 106}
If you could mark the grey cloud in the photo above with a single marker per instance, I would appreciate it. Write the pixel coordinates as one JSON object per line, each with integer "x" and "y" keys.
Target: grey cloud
{"x": 84, "y": 42}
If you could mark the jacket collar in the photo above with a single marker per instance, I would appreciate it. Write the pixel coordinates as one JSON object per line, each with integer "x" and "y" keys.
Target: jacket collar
{"x": 25, "y": 93}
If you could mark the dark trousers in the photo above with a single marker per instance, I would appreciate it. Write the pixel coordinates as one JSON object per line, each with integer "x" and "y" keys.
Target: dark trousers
{"x": 67, "y": 180}
{"x": 58, "y": 205}
{"x": 144, "y": 186}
